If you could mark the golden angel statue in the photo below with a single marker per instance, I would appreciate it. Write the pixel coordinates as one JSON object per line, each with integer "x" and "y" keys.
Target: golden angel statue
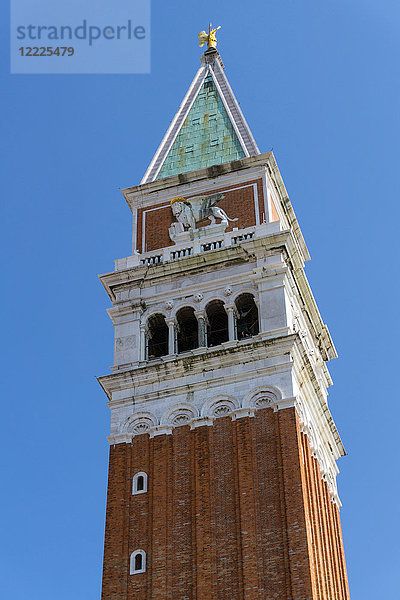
{"x": 210, "y": 38}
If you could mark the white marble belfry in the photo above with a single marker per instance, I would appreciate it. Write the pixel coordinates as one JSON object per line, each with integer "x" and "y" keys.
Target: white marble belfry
{"x": 284, "y": 365}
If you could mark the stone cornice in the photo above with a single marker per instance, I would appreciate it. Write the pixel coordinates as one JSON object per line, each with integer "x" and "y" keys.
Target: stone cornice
{"x": 319, "y": 402}
{"x": 150, "y": 273}
{"x": 229, "y": 180}
{"x": 134, "y": 194}
{"x": 201, "y": 360}
{"x": 243, "y": 252}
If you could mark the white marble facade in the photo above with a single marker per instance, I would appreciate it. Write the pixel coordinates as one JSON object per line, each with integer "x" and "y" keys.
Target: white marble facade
{"x": 282, "y": 366}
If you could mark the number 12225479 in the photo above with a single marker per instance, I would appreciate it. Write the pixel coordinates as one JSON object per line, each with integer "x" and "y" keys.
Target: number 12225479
{"x": 46, "y": 51}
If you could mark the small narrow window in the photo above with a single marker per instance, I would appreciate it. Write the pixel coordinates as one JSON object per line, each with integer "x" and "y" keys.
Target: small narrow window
{"x": 139, "y": 483}
{"x": 137, "y": 562}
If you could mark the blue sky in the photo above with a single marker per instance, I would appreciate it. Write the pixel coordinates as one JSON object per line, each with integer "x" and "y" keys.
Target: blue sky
{"x": 319, "y": 84}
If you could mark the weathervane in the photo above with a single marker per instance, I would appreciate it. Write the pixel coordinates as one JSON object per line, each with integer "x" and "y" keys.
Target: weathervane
{"x": 210, "y": 38}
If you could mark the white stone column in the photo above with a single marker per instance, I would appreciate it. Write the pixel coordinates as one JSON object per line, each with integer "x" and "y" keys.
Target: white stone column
{"x": 143, "y": 342}
{"x": 202, "y": 327}
{"x": 231, "y": 322}
{"x": 257, "y": 303}
{"x": 171, "y": 335}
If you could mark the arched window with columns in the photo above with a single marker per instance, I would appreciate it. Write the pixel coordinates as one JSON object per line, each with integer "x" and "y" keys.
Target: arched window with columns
{"x": 157, "y": 336}
{"x": 217, "y": 327}
{"x": 247, "y": 316}
{"x": 188, "y": 329}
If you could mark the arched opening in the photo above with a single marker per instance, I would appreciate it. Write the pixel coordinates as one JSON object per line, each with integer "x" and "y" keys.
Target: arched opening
{"x": 247, "y": 320}
{"x": 157, "y": 336}
{"x": 137, "y": 562}
{"x": 188, "y": 329}
{"x": 139, "y": 483}
{"x": 217, "y": 328}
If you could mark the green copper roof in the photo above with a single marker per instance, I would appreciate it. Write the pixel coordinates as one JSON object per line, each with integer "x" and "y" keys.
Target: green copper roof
{"x": 206, "y": 138}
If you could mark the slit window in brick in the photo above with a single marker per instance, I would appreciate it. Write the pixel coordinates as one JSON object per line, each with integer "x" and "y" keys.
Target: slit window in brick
{"x": 139, "y": 483}
{"x": 137, "y": 562}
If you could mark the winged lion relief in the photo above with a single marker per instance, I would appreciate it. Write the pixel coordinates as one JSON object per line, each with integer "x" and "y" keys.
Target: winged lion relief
{"x": 190, "y": 212}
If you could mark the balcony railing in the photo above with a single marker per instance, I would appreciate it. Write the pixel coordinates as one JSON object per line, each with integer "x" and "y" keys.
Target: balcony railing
{"x": 197, "y": 246}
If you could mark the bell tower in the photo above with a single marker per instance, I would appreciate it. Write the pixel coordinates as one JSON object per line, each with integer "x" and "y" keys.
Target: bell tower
{"x": 222, "y": 472}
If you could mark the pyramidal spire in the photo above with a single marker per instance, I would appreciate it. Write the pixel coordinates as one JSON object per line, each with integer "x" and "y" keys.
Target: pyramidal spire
{"x": 208, "y": 129}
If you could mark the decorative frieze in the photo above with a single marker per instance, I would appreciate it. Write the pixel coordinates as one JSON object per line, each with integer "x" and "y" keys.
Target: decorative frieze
{"x": 187, "y": 413}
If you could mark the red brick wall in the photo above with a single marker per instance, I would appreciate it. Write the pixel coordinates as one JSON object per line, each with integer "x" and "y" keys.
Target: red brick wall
{"x": 236, "y": 511}
{"x": 327, "y": 553}
{"x": 238, "y": 203}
